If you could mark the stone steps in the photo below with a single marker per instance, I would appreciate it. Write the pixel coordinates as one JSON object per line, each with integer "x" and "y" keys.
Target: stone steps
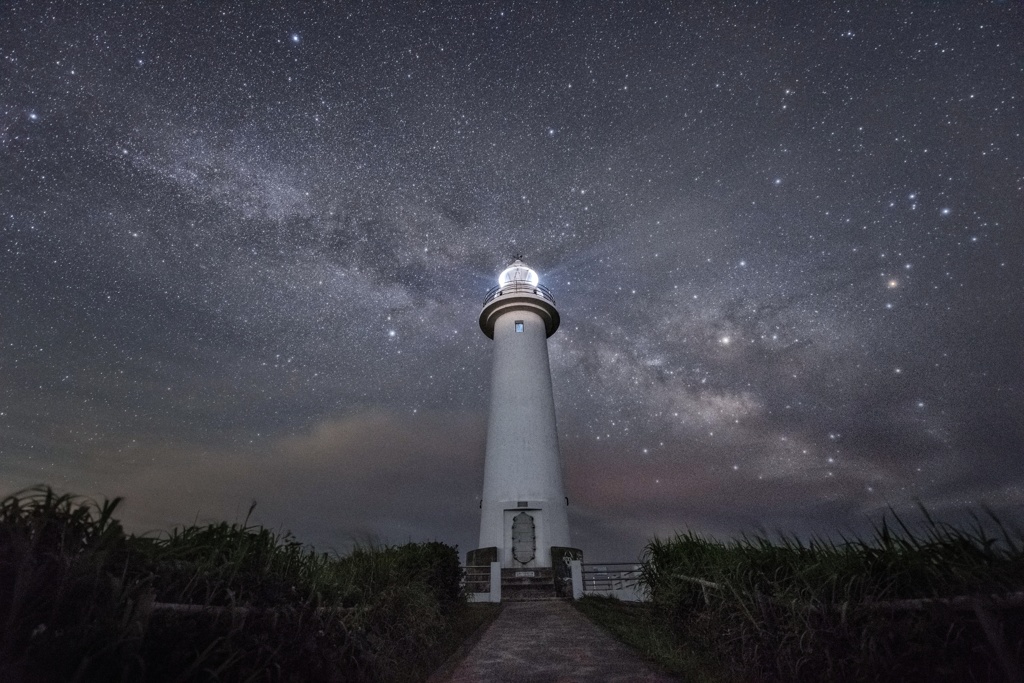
{"x": 528, "y": 594}
{"x": 522, "y": 585}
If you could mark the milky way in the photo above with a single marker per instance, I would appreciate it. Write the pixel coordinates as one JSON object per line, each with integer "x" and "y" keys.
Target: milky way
{"x": 244, "y": 249}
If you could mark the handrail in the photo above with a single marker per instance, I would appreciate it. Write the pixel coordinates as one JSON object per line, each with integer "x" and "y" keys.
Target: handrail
{"x": 622, "y": 569}
{"x": 956, "y": 602}
{"x": 519, "y": 287}
{"x": 601, "y": 577}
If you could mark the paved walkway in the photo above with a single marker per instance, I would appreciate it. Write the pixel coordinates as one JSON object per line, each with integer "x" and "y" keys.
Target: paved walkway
{"x": 549, "y": 642}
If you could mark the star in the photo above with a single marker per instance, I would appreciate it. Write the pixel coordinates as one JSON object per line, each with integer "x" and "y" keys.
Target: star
{"x": 241, "y": 211}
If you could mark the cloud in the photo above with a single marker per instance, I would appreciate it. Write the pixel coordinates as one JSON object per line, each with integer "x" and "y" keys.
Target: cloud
{"x": 366, "y": 475}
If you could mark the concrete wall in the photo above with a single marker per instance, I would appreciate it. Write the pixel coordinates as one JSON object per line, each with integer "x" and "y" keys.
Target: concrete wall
{"x": 522, "y": 462}
{"x": 494, "y": 592}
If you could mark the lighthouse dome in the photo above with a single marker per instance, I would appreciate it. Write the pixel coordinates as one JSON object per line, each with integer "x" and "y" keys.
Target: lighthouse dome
{"x": 518, "y": 289}
{"x": 518, "y": 273}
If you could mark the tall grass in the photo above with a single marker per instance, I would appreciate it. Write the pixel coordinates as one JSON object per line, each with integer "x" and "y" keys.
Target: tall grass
{"x": 824, "y": 610}
{"x": 64, "y": 599}
{"x": 76, "y": 596}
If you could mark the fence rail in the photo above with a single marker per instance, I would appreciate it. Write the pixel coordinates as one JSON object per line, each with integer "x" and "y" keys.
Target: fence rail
{"x": 620, "y": 579}
{"x": 148, "y": 607}
{"x": 960, "y": 603}
{"x": 478, "y": 579}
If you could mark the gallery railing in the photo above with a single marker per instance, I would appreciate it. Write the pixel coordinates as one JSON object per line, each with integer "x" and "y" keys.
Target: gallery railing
{"x": 519, "y": 287}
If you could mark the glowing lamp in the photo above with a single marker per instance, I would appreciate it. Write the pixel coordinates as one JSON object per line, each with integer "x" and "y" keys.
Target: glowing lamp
{"x": 518, "y": 273}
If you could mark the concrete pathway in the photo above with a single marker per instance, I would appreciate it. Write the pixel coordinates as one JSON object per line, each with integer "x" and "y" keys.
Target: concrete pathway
{"x": 549, "y": 642}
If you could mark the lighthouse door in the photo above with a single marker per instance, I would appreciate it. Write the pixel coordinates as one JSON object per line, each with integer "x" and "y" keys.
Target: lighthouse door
{"x": 524, "y": 538}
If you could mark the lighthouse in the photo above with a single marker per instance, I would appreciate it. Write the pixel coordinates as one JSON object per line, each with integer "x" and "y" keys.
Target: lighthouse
{"x": 523, "y": 503}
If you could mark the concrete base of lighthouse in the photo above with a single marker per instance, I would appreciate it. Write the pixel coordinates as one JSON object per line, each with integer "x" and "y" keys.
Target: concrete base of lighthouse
{"x": 488, "y": 581}
{"x": 524, "y": 531}
{"x": 525, "y": 564}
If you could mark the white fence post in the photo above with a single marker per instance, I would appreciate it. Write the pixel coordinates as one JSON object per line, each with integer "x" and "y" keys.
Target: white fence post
{"x": 495, "y": 581}
{"x": 576, "y": 567}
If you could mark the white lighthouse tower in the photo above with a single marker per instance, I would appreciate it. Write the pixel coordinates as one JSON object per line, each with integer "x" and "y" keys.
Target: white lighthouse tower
{"x": 523, "y": 506}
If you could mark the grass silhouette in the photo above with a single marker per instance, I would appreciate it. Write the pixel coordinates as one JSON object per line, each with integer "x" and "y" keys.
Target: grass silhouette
{"x": 859, "y": 609}
{"x": 81, "y": 600}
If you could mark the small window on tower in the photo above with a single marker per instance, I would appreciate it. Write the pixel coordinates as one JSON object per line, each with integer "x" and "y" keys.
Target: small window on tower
{"x": 519, "y": 326}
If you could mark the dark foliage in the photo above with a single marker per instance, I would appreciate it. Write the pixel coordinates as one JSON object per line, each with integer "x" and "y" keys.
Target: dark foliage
{"x": 794, "y": 611}
{"x": 77, "y": 602}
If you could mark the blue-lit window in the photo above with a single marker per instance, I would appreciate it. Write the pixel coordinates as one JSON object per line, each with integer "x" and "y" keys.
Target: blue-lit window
{"x": 519, "y": 326}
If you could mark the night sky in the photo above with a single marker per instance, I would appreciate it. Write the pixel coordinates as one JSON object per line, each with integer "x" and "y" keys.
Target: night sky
{"x": 244, "y": 247}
